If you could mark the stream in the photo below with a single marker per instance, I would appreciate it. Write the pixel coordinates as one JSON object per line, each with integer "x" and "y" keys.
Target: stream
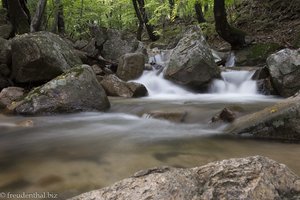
{"x": 75, "y": 153}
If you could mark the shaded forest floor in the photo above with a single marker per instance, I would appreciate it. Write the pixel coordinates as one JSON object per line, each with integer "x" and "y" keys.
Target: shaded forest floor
{"x": 264, "y": 21}
{"x": 267, "y": 21}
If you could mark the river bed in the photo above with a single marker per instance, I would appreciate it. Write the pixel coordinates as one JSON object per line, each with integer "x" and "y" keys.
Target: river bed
{"x": 75, "y": 153}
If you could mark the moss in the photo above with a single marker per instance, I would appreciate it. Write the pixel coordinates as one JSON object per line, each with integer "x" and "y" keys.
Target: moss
{"x": 262, "y": 51}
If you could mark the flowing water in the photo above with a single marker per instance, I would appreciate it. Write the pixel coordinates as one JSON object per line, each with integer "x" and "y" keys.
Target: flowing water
{"x": 70, "y": 154}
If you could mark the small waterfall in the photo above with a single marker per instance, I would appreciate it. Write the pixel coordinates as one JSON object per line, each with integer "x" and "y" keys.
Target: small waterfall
{"x": 154, "y": 80}
{"x": 235, "y": 82}
{"x": 232, "y": 82}
{"x": 230, "y": 61}
{"x": 159, "y": 57}
{"x": 158, "y": 86}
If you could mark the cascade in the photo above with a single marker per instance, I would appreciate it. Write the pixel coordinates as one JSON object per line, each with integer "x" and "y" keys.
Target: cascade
{"x": 235, "y": 82}
{"x": 230, "y": 61}
{"x": 232, "y": 82}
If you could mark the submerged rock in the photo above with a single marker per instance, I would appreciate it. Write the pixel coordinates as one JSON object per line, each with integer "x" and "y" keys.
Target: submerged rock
{"x": 116, "y": 87}
{"x": 284, "y": 68}
{"x": 253, "y": 178}
{"x": 191, "y": 62}
{"x": 280, "y": 121}
{"x": 76, "y": 90}
{"x": 41, "y": 56}
{"x": 131, "y": 66}
{"x": 173, "y": 116}
{"x": 226, "y": 115}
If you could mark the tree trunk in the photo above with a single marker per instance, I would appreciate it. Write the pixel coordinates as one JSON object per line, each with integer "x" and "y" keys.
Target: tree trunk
{"x": 26, "y": 10}
{"x": 81, "y": 9}
{"x": 234, "y": 37}
{"x": 149, "y": 27}
{"x": 18, "y": 17}
{"x": 141, "y": 21}
{"x": 59, "y": 22}
{"x": 4, "y": 4}
{"x": 38, "y": 17}
{"x": 199, "y": 13}
{"x": 172, "y": 5}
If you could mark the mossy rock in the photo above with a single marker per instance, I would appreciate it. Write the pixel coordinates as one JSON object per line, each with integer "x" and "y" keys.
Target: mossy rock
{"x": 255, "y": 54}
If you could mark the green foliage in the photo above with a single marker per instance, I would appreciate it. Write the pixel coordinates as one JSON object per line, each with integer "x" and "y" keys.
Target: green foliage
{"x": 120, "y": 14}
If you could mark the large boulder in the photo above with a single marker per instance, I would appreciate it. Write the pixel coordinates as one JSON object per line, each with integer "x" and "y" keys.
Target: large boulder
{"x": 116, "y": 87}
{"x": 115, "y": 43}
{"x": 191, "y": 62}
{"x": 253, "y": 178}
{"x": 76, "y": 90}
{"x": 280, "y": 121}
{"x": 131, "y": 66}
{"x": 41, "y": 56}
{"x": 284, "y": 68}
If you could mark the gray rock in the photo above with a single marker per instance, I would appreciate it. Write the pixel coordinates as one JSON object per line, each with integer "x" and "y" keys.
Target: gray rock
{"x": 131, "y": 66}
{"x": 284, "y": 68}
{"x": 280, "y": 121}
{"x": 253, "y": 178}
{"x": 80, "y": 44}
{"x": 115, "y": 43}
{"x": 91, "y": 49}
{"x": 41, "y": 56}
{"x": 191, "y": 62}
{"x": 9, "y": 95}
{"x": 116, "y": 87}
{"x": 76, "y": 90}
{"x": 5, "y": 51}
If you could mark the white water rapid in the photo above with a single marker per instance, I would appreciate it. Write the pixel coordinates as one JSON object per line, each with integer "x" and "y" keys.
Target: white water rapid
{"x": 233, "y": 86}
{"x": 157, "y": 86}
{"x": 235, "y": 82}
